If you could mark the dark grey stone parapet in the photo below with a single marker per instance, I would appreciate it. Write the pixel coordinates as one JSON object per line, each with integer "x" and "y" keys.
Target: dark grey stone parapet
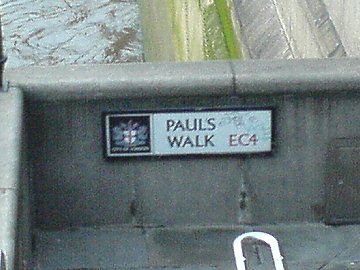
{"x": 125, "y": 81}
{"x": 297, "y": 77}
{"x": 212, "y": 78}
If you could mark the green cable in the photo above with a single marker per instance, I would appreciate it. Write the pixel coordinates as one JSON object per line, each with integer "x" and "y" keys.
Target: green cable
{"x": 231, "y": 41}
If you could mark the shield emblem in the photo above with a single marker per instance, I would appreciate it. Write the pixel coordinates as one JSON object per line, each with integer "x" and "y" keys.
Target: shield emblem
{"x": 130, "y": 136}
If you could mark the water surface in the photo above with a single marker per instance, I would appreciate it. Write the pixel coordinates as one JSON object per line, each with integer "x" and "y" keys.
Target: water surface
{"x": 52, "y": 32}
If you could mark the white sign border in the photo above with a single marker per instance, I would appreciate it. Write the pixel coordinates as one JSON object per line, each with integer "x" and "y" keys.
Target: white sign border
{"x": 106, "y": 131}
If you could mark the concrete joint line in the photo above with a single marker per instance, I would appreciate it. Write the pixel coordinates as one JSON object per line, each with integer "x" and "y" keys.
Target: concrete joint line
{"x": 283, "y": 29}
{"x": 233, "y": 78}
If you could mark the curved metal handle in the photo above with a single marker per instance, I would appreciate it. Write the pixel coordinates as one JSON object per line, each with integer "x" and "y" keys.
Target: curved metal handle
{"x": 264, "y": 237}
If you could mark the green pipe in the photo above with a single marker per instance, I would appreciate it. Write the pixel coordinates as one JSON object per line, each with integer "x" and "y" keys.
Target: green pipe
{"x": 189, "y": 30}
{"x": 231, "y": 41}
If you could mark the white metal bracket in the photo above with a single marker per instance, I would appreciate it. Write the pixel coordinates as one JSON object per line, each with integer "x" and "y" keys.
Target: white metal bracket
{"x": 264, "y": 237}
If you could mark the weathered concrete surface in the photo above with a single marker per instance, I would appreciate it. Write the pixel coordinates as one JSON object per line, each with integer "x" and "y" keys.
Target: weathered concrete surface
{"x": 130, "y": 80}
{"x": 304, "y": 247}
{"x": 261, "y": 30}
{"x": 108, "y": 31}
{"x": 11, "y": 113}
{"x": 298, "y": 77}
{"x": 66, "y": 32}
{"x": 288, "y": 29}
{"x": 102, "y": 192}
{"x": 269, "y": 29}
{"x": 345, "y": 16}
{"x": 124, "y": 81}
{"x": 183, "y": 192}
{"x": 102, "y": 248}
{"x": 10, "y": 137}
{"x": 311, "y": 109}
{"x": 190, "y": 246}
{"x": 8, "y": 221}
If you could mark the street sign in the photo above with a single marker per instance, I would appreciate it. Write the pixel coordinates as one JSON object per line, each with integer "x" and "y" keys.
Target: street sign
{"x": 235, "y": 131}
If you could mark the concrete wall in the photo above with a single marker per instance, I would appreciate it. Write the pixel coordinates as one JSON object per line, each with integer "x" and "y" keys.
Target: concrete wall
{"x": 344, "y": 14}
{"x": 288, "y": 29}
{"x": 76, "y": 186}
{"x": 11, "y": 112}
{"x": 314, "y": 102}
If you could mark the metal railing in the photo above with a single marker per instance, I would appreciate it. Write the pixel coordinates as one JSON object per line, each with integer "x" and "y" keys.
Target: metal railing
{"x": 261, "y": 236}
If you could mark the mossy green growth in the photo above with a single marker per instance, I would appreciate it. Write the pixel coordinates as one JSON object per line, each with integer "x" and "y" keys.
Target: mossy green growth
{"x": 214, "y": 41}
{"x": 232, "y": 43}
{"x": 189, "y": 30}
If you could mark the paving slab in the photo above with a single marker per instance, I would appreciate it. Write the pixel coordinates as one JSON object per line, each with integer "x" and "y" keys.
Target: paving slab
{"x": 315, "y": 243}
{"x": 304, "y": 247}
{"x": 191, "y": 246}
{"x": 105, "y": 248}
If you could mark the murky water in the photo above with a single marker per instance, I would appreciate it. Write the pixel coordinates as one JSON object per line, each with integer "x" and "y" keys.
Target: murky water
{"x": 51, "y": 32}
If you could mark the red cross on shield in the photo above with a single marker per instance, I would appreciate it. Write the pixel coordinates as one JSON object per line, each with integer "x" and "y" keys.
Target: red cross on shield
{"x": 130, "y": 136}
